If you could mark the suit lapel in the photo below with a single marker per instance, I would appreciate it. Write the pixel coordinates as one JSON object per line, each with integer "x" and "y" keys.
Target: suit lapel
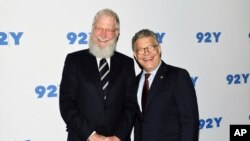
{"x": 114, "y": 71}
{"x": 156, "y": 84}
{"x": 136, "y": 89}
{"x": 94, "y": 71}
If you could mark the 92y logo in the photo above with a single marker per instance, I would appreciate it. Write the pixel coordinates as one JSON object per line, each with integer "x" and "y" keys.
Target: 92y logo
{"x": 77, "y": 38}
{"x": 160, "y": 36}
{"x": 237, "y": 78}
{"x": 7, "y": 38}
{"x": 210, "y": 123}
{"x": 208, "y": 37}
{"x": 49, "y": 91}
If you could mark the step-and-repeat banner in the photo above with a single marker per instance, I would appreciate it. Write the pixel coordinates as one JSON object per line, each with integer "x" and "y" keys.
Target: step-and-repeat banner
{"x": 210, "y": 38}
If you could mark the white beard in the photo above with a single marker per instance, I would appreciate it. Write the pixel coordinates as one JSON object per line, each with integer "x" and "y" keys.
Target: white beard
{"x": 105, "y": 52}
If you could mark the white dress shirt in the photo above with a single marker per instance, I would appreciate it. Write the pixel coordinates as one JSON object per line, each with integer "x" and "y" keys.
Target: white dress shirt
{"x": 141, "y": 83}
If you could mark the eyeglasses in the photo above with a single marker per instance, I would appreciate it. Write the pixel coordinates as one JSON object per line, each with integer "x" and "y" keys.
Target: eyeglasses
{"x": 149, "y": 49}
{"x": 107, "y": 30}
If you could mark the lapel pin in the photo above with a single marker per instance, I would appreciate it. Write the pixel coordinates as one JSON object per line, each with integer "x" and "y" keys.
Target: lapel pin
{"x": 161, "y": 77}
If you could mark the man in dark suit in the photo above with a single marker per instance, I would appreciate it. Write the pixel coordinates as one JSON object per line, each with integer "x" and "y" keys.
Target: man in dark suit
{"x": 167, "y": 104}
{"x": 95, "y": 98}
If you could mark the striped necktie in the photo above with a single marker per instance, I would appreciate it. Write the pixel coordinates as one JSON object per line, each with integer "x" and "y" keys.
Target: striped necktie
{"x": 104, "y": 73}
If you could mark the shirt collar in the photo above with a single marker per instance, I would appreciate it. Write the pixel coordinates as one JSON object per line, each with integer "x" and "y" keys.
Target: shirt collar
{"x": 99, "y": 59}
{"x": 154, "y": 71}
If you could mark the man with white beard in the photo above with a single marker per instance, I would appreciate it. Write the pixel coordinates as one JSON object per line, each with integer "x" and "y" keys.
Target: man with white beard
{"x": 95, "y": 100}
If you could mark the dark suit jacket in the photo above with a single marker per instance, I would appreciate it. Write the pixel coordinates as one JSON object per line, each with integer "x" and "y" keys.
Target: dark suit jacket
{"x": 171, "y": 112}
{"x": 82, "y": 104}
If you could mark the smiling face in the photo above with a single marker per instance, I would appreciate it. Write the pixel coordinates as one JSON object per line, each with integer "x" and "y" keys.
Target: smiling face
{"x": 104, "y": 31}
{"x": 104, "y": 35}
{"x": 150, "y": 58}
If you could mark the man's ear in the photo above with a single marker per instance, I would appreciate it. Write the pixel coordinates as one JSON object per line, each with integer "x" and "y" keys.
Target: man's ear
{"x": 159, "y": 48}
{"x": 117, "y": 38}
{"x": 137, "y": 62}
{"x": 134, "y": 53}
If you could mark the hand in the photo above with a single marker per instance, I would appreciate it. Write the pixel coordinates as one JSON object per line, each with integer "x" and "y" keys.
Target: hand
{"x": 96, "y": 137}
{"x": 112, "y": 138}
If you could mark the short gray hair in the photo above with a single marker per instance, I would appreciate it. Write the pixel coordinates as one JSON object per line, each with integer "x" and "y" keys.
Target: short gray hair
{"x": 143, "y": 33}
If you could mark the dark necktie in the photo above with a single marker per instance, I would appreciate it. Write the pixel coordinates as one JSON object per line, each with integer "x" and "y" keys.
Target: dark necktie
{"x": 145, "y": 92}
{"x": 104, "y": 73}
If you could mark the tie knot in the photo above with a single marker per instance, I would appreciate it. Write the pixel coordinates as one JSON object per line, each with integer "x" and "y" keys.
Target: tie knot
{"x": 147, "y": 75}
{"x": 103, "y": 61}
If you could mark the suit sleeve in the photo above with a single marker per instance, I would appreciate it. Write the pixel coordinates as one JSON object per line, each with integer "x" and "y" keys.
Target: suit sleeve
{"x": 126, "y": 124}
{"x": 186, "y": 100}
{"x": 72, "y": 116}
